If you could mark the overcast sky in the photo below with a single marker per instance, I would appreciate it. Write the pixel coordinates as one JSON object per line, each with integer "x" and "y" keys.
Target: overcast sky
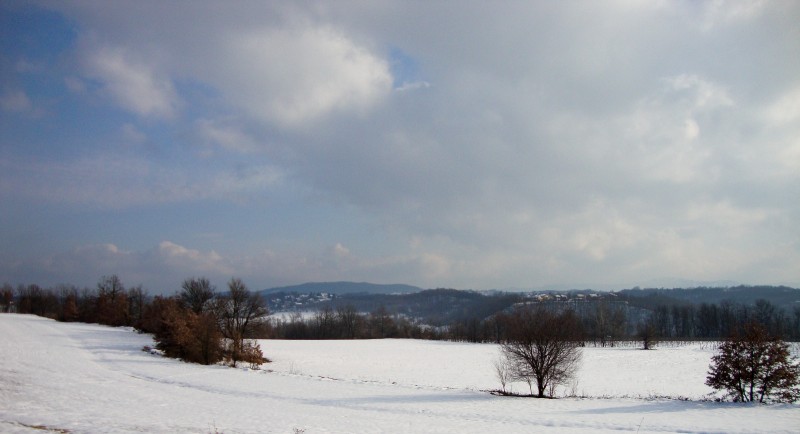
{"x": 472, "y": 145}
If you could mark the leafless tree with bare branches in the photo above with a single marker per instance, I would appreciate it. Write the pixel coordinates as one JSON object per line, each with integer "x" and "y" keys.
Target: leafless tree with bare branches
{"x": 544, "y": 347}
{"x": 238, "y": 312}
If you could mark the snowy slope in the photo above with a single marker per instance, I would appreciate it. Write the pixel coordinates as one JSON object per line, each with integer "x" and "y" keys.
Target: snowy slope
{"x": 89, "y": 378}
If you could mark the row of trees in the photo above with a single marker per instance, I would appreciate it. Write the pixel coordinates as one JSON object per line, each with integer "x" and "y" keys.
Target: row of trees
{"x": 109, "y": 303}
{"x": 602, "y": 323}
{"x": 196, "y": 325}
{"x": 345, "y": 322}
{"x": 712, "y": 321}
{"x": 606, "y": 322}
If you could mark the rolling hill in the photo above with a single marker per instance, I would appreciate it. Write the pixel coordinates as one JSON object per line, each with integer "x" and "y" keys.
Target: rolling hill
{"x": 345, "y": 288}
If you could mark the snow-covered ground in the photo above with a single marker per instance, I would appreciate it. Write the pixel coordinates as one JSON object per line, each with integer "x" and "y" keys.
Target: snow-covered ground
{"x": 90, "y": 378}
{"x": 673, "y": 371}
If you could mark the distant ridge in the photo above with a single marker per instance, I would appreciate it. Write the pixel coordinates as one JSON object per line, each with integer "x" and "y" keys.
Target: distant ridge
{"x": 782, "y": 296}
{"x": 346, "y": 288}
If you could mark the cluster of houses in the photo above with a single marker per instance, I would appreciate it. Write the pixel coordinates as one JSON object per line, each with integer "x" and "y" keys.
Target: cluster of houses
{"x": 293, "y": 301}
{"x": 572, "y": 296}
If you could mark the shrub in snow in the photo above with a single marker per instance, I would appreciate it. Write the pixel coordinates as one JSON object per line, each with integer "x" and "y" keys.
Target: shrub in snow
{"x": 246, "y": 351}
{"x": 181, "y": 333}
{"x": 504, "y": 373}
{"x": 755, "y": 367}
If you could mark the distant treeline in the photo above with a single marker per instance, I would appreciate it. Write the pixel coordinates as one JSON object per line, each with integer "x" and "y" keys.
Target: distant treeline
{"x": 742, "y": 294}
{"x": 110, "y": 303}
{"x": 436, "y": 307}
{"x": 712, "y": 313}
{"x": 605, "y": 318}
{"x": 448, "y": 314}
{"x": 345, "y": 322}
{"x": 602, "y": 323}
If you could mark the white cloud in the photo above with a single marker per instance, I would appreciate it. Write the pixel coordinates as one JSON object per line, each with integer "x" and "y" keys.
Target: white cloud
{"x": 600, "y": 229}
{"x": 82, "y": 265}
{"x": 730, "y": 219}
{"x": 222, "y": 133}
{"x": 656, "y": 138}
{"x": 785, "y": 110}
{"x": 15, "y": 101}
{"x": 292, "y": 76}
{"x": 591, "y": 142}
{"x": 27, "y": 66}
{"x": 408, "y": 87}
{"x": 702, "y": 94}
{"x": 194, "y": 261}
{"x": 340, "y": 251}
{"x": 726, "y": 12}
{"x": 160, "y": 269}
{"x": 75, "y": 85}
{"x": 133, "y": 134}
{"x": 767, "y": 146}
{"x": 134, "y": 85}
{"x": 691, "y": 129}
{"x": 435, "y": 266}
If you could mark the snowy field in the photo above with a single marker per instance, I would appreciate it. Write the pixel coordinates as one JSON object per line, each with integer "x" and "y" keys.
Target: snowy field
{"x": 89, "y": 378}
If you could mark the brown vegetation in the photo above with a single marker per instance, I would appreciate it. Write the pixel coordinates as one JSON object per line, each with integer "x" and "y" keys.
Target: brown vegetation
{"x": 754, "y": 366}
{"x": 196, "y": 325}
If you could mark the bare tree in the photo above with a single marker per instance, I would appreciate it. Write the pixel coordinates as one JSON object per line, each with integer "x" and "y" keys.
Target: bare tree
{"x": 112, "y": 301}
{"x": 325, "y": 323}
{"x": 137, "y": 299}
{"x": 196, "y": 293}
{"x": 238, "y": 312}
{"x": 7, "y": 297}
{"x": 646, "y": 331}
{"x": 504, "y": 372}
{"x": 544, "y": 346}
{"x": 349, "y": 320}
{"x": 382, "y": 324}
{"x": 110, "y": 286}
{"x": 68, "y": 301}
